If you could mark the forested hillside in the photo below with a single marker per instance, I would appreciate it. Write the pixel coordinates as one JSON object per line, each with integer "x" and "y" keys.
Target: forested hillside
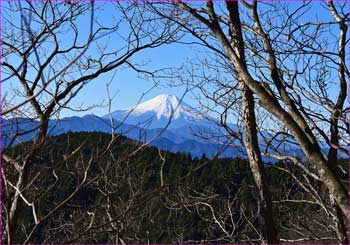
{"x": 89, "y": 189}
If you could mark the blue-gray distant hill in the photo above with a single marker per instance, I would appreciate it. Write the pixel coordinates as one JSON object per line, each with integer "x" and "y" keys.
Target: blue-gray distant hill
{"x": 146, "y": 122}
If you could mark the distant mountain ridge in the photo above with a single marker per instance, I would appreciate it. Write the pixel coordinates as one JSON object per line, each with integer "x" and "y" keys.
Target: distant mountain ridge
{"x": 141, "y": 122}
{"x": 145, "y": 122}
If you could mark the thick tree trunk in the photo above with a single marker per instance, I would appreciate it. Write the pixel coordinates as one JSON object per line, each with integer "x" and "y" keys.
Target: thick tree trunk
{"x": 343, "y": 233}
{"x": 270, "y": 103}
{"x": 251, "y": 142}
{"x": 341, "y": 225}
{"x": 339, "y": 222}
{"x": 256, "y": 165}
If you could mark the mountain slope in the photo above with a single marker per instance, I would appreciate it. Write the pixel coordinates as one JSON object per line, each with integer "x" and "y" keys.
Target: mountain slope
{"x": 145, "y": 122}
{"x": 159, "y": 112}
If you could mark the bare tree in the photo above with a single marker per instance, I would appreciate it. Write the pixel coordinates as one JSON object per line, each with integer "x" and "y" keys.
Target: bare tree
{"x": 251, "y": 143}
{"x": 48, "y": 58}
{"x": 290, "y": 67}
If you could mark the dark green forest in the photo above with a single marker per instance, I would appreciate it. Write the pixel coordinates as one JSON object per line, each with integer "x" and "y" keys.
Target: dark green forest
{"x": 107, "y": 190}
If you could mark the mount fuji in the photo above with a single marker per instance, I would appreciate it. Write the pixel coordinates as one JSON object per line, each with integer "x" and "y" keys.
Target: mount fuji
{"x": 168, "y": 122}
{"x": 159, "y": 112}
{"x": 165, "y": 118}
{"x": 165, "y": 121}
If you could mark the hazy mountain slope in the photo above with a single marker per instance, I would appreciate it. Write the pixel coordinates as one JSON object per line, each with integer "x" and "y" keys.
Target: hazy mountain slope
{"x": 188, "y": 131}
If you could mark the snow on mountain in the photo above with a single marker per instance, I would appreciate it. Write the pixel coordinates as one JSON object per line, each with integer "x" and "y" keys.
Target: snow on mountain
{"x": 158, "y": 111}
{"x": 164, "y": 106}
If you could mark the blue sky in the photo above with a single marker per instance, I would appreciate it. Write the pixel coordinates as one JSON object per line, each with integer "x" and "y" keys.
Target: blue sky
{"x": 129, "y": 85}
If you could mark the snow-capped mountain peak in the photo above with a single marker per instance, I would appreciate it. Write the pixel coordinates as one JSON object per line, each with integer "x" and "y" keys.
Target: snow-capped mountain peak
{"x": 165, "y": 105}
{"x": 159, "y": 111}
